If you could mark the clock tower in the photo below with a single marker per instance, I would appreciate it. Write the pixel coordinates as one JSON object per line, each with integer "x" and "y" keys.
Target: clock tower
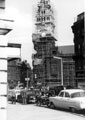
{"x": 44, "y": 43}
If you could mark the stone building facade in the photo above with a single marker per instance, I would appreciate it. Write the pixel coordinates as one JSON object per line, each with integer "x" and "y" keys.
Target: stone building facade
{"x": 52, "y": 65}
{"x": 66, "y": 53}
{"x": 79, "y": 45}
{"x": 13, "y": 75}
{"x": 44, "y": 71}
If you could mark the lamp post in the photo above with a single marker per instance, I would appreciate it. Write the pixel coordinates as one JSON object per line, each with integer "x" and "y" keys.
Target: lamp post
{"x": 27, "y": 79}
{"x": 59, "y": 58}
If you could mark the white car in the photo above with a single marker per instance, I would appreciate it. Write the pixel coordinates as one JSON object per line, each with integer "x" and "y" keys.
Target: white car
{"x": 73, "y": 99}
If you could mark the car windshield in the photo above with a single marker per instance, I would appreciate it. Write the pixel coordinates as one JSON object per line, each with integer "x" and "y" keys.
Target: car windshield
{"x": 78, "y": 94}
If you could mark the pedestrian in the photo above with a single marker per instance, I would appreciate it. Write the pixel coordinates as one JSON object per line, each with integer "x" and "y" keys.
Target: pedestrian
{"x": 24, "y": 97}
{"x": 13, "y": 97}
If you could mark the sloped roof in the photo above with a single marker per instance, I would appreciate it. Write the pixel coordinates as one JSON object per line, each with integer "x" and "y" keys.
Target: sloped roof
{"x": 14, "y": 45}
{"x": 68, "y": 49}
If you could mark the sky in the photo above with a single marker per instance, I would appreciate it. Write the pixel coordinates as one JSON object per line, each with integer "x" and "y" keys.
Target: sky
{"x": 22, "y": 12}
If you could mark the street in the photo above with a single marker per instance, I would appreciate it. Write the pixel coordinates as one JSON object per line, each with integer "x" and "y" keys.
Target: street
{"x": 32, "y": 112}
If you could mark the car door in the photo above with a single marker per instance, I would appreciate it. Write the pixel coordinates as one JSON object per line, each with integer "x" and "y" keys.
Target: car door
{"x": 66, "y": 100}
{"x": 59, "y": 100}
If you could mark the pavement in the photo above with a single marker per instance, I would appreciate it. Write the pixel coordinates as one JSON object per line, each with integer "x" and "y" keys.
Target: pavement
{"x": 32, "y": 112}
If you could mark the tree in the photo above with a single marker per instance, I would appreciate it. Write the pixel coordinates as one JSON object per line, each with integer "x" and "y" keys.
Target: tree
{"x": 25, "y": 72}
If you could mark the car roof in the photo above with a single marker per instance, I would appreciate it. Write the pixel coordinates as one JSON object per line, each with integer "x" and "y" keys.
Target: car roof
{"x": 70, "y": 91}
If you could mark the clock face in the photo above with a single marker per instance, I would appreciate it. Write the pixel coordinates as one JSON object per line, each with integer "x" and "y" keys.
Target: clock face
{"x": 43, "y": 34}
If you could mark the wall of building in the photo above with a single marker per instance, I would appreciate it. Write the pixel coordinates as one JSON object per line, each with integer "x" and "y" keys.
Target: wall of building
{"x": 3, "y": 66}
{"x": 68, "y": 72}
{"x": 79, "y": 43}
{"x": 13, "y": 76}
{"x": 66, "y": 53}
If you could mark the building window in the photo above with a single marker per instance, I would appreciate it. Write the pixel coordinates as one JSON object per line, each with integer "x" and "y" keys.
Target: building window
{"x": 38, "y": 19}
{"x": 48, "y": 18}
{"x": 41, "y": 12}
{"x": 44, "y": 11}
{"x": 42, "y": 19}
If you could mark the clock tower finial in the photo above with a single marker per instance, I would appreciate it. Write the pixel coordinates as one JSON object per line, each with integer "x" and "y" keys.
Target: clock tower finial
{"x": 44, "y": 18}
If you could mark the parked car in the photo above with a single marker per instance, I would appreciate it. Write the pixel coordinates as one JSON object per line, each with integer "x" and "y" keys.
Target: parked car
{"x": 73, "y": 99}
{"x": 29, "y": 95}
{"x": 53, "y": 91}
{"x": 11, "y": 91}
{"x": 9, "y": 95}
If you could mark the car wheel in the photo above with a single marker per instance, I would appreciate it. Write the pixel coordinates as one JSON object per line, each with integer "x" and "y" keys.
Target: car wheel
{"x": 73, "y": 110}
{"x": 48, "y": 105}
{"x": 51, "y": 104}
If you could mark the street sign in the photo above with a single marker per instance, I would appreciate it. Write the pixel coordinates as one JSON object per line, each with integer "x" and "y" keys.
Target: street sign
{"x": 27, "y": 79}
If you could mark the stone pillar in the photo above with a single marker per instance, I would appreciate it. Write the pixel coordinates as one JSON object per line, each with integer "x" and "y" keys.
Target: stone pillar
{"x": 3, "y": 78}
{"x": 4, "y": 29}
{"x": 3, "y": 69}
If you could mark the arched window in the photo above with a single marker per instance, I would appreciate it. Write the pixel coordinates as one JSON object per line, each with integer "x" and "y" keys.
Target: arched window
{"x": 38, "y": 19}
{"x": 48, "y": 18}
{"x": 42, "y": 12}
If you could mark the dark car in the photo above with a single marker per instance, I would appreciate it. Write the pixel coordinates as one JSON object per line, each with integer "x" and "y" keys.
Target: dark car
{"x": 28, "y": 95}
{"x": 53, "y": 91}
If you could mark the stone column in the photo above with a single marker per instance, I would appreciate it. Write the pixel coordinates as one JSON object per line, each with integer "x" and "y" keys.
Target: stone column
{"x": 4, "y": 29}
{"x": 3, "y": 77}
